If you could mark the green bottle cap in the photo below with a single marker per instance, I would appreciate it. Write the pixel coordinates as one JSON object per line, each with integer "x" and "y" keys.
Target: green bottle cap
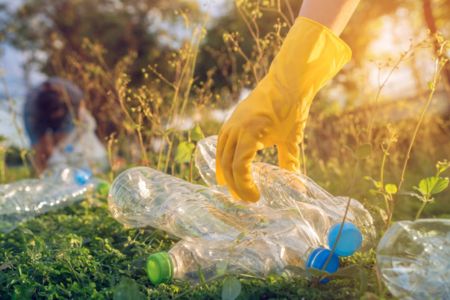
{"x": 159, "y": 268}
{"x": 102, "y": 189}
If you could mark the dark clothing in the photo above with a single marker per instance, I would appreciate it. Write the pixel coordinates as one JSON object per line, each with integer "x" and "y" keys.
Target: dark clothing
{"x": 51, "y": 107}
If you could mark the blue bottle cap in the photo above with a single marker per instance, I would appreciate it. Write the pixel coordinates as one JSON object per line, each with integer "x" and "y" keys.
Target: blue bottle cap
{"x": 349, "y": 241}
{"x": 319, "y": 257}
{"x": 82, "y": 176}
{"x": 69, "y": 148}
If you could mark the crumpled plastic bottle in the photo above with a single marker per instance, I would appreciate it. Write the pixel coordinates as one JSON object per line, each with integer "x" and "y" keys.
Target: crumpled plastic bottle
{"x": 142, "y": 196}
{"x": 287, "y": 228}
{"x": 215, "y": 227}
{"x": 283, "y": 189}
{"x": 60, "y": 187}
{"x": 285, "y": 247}
{"x": 414, "y": 259}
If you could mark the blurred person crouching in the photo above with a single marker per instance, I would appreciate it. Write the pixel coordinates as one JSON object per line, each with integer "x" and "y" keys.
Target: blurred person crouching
{"x": 60, "y": 128}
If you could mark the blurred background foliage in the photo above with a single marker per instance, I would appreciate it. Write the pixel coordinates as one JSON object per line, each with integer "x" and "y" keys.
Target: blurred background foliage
{"x": 156, "y": 71}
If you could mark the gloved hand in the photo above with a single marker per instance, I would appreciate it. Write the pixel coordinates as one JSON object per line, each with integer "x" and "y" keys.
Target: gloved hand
{"x": 276, "y": 111}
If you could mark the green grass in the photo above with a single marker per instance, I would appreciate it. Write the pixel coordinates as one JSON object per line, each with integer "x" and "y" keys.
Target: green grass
{"x": 81, "y": 252}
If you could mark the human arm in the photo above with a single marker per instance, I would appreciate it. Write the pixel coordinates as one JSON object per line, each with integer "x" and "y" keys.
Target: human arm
{"x": 42, "y": 151}
{"x": 276, "y": 111}
{"x": 333, "y": 14}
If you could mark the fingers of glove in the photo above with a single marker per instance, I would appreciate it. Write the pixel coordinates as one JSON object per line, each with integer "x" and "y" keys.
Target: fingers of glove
{"x": 226, "y": 161}
{"x": 288, "y": 156}
{"x": 246, "y": 148}
{"x": 221, "y": 142}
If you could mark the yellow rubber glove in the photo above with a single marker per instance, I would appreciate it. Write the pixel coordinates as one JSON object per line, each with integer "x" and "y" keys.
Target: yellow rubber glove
{"x": 276, "y": 111}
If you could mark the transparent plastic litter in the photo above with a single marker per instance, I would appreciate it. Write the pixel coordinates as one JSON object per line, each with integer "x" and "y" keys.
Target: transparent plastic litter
{"x": 414, "y": 259}
{"x": 25, "y": 199}
{"x": 142, "y": 196}
{"x": 286, "y": 229}
{"x": 287, "y": 247}
{"x": 256, "y": 239}
{"x": 283, "y": 189}
{"x": 81, "y": 147}
{"x": 193, "y": 261}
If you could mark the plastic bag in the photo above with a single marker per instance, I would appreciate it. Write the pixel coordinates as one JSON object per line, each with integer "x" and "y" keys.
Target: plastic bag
{"x": 81, "y": 147}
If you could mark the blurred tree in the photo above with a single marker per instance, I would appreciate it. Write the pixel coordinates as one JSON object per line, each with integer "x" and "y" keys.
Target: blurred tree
{"x": 240, "y": 45}
{"x": 440, "y": 10}
{"x": 120, "y": 26}
{"x": 94, "y": 42}
{"x": 253, "y": 22}
{"x": 431, "y": 20}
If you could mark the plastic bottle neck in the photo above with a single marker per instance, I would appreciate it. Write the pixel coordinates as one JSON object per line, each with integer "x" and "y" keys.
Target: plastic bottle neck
{"x": 176, "y": 267}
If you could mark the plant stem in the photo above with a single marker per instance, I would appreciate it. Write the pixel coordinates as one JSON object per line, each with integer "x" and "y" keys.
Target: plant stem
{"x": 438, "y": 69}
{"x": 388, "y": 207}
{"x": 419, "y": 212}
{"x": 2, "y": 164}
{"x": 381, "y": 87}
{"x": 352, "y": 184}
{"x": 390, "y": 215}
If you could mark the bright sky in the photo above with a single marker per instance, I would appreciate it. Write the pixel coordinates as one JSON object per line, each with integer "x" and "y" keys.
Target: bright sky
{"x": 397, "y": 35}
{"x": 215, "y": 8}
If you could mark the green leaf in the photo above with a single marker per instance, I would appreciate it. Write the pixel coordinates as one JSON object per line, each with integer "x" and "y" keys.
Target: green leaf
{"x": 363, "y": 151}
{"x": 197, "y": 134}
{"x": 390, "y": 188}
{"x": 433, "y": 185}
{"x": 440, "y": 186}
{"x": 184, "y": 152}
{"x": 127, "y": 289}
{"x": 231, "y": 288}
{"x": 426, "y": 185}
{"x": 102, "y": 189}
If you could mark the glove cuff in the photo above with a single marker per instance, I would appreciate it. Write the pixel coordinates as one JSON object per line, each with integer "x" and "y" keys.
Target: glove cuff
{"x": 311, "y": 55}
{"x": 345, "y": 50}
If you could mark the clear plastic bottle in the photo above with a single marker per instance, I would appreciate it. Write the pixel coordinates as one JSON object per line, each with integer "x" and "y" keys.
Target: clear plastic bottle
{"x": 414, "y": 259}
{"x": 286, "y": 247}
{"x": 25, "y": 199}
{"x": 259, "y": 239}
{"x": 194, "y": 261}
{"x": 283, "y": 189}
{"x": 143, "y": 196}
